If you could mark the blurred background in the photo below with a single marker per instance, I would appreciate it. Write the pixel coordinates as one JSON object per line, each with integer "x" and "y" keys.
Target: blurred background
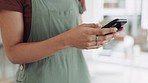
{"x": 123, "y": 60}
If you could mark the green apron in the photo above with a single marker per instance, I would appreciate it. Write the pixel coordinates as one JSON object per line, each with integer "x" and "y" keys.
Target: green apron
{"x": 51, "y": 18}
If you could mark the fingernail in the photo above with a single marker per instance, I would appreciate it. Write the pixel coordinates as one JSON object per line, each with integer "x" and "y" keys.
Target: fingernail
{"x": 116, "y": 29}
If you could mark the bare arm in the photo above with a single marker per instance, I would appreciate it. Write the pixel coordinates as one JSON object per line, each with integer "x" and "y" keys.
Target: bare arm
{"x": 12, "y": 29}
{"x": 18, "y": 52}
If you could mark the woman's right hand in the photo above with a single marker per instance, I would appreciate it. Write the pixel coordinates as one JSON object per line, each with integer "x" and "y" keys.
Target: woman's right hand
{"x": 88, "y": 36}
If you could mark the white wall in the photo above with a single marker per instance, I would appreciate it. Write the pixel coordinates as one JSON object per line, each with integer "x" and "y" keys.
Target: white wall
{"x": 94, "y": 11}
{"x": 145, "y": 14}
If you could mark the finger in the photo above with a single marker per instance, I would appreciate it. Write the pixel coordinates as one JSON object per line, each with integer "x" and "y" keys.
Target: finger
{"x": 116, "y": 34}
{"x": 105, "y": 37}
{"x": 96, "y": 31}
{"x": 90, "y": 44}
{"x": 109, "y": 37}
{"x": 107, "y": 31}
{"x": 102, "y": 32}
{"x": 99, "y": 25}
{"x": 100, "y": 43}
{"x": 103, "y": 43}
{"x": 94, "y": 38}
{"x": 94, "y": 47}
{"x": 91, "y": 38}
{"x": 120, "y": 29}
{"x": 94, "y": 44}
{"x": 106, "y": 42}
{"x": 90, "y": 25}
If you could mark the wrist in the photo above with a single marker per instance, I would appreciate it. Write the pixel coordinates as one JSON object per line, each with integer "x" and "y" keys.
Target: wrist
{"x": 64, "y": 41}
{"x": 56, "y": 43}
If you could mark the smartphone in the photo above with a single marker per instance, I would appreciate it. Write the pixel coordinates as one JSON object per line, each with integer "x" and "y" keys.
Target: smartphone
{"x": 118, "y": 23}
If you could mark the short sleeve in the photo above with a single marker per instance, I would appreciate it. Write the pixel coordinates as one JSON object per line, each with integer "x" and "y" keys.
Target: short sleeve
{"x": 82, "y": 6}
{"x": 13, "y": 5}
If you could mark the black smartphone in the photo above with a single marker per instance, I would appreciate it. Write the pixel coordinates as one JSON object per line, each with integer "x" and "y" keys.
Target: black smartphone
{"x": 118, "y": 23}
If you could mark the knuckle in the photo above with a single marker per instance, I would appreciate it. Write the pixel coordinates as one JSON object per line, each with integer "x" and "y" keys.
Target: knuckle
{"x": 101, "y": 32}
{"x": 99, "y": 25}
{"x": 82, "y": 24}
{"x": 88, "y": 32}
{"x": 93, "y": 24}
{"x": 104, "y": 32}
{"x": 105, "y": 37}
{"x": 111, "y": 30}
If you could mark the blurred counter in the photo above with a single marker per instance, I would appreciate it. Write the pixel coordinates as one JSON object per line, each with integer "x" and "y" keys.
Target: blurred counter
{"x": 118, "y": 62}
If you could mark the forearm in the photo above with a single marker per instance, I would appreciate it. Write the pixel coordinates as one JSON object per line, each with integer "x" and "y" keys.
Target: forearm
{"x": 32, "y": 52}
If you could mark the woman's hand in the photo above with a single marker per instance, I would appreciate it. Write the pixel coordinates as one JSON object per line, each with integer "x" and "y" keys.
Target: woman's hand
{"x": 88, "y": 36}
